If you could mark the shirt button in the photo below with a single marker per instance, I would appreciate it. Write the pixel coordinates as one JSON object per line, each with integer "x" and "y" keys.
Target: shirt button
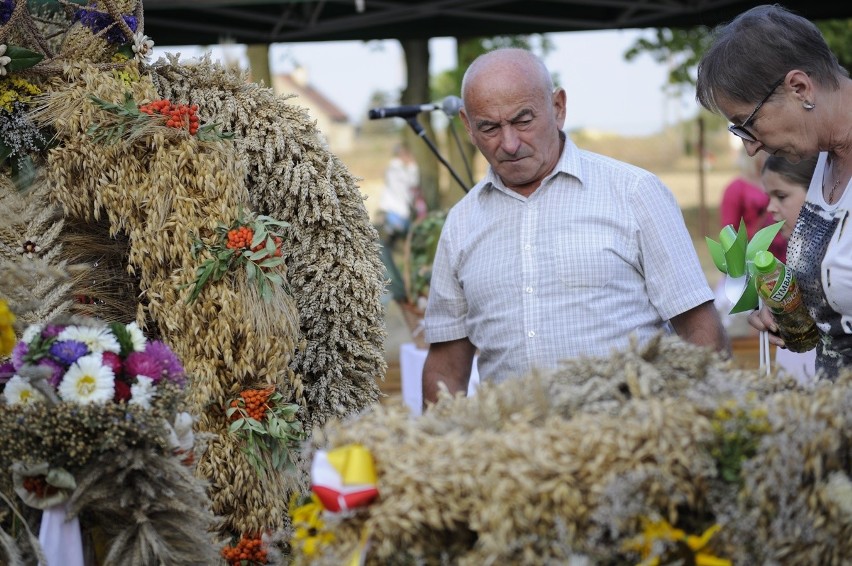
{"x": 531, "y": 333}
{"x": 528, "y": 247}
{"x": 528, "y": 289}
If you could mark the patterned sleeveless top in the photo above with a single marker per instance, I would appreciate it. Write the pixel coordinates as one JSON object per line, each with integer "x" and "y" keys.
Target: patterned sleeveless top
{"x": 820, "y": 254}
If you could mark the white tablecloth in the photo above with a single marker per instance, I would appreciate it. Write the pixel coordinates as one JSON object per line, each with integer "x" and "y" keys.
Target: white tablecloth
{"x": 411, "y": 360}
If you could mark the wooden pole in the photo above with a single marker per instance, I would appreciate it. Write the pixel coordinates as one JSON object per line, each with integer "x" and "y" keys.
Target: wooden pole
{"x": 702, "y": 185}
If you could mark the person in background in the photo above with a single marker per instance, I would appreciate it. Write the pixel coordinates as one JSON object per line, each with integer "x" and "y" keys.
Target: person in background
{"x": 557, "y": 252}
{"x": 745, "y": 199}
{"x": 771, "y": 73}
{"x": 397, "y": 204}
{"x": 786, "y": 184}
{"x": 402, "y": 186}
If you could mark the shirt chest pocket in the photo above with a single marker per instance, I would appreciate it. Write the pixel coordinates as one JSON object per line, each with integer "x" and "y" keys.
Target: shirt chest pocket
{"x": 586, "y": 260}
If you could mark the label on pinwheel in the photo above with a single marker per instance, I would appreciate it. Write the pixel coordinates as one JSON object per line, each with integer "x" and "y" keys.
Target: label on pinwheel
{"x": 344, "y": 478}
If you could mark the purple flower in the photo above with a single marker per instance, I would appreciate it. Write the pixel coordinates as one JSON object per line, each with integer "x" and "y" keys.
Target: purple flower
{"x": 52, "y": 331}
{"x": 7, "y": 370}
{"x": 143, "y": 363}
{"x": 68, "y": 351}
{"x": 18, "y": 352}
{"x": 157, "y": 362}
{"x": 6, "y": 8}
{"x": 172, "y": 368}
{"x": 98, "y": 21}
{"x": 57, "y": 370}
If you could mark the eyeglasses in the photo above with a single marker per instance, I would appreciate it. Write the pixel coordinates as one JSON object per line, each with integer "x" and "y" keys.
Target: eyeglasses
{"x": 741, "y": 131}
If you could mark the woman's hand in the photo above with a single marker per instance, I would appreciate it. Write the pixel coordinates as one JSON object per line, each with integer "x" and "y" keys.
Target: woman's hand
{"x": 762, "y": 320}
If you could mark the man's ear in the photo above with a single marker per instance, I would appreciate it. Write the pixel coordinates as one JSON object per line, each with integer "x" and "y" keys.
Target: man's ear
{"x": 466, "y": 122}
{"x": 559, "y": 106}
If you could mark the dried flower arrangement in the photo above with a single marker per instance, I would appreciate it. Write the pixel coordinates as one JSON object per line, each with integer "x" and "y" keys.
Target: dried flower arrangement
{"x": 664, "y": 454}
{"x": 86, "y": 404}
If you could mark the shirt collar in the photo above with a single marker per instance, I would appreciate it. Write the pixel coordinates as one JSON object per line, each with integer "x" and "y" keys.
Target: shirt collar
{"x": 569, "y": 164}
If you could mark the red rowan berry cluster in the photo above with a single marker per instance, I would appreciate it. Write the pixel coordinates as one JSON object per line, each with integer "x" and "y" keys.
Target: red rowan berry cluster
{"x": 239, "y": 238}
{"x": 248, "y": 550}
{"x": 253, "y": 402}
{"x": 177, "y": 116}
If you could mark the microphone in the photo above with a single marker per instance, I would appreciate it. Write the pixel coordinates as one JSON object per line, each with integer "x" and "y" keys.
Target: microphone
{"x": 450, "y": 105}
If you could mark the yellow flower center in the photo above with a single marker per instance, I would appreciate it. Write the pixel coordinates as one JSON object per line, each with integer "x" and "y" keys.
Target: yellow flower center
{"x": 86, "y": 385}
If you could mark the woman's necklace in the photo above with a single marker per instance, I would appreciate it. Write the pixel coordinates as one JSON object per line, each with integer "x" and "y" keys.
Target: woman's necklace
{"x": 831, "y": 166}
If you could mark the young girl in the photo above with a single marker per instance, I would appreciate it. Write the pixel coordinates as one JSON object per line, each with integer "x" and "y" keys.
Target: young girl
{"x": 787, "y": 186}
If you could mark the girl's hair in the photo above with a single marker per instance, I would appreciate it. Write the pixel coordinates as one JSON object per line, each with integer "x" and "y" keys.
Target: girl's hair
{"x": 799, "y": 173}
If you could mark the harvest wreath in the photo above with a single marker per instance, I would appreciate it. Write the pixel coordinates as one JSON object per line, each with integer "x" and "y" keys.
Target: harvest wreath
{"x": 127, "y": 194}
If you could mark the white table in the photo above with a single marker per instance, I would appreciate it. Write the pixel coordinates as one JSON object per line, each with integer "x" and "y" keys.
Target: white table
{"x": 411, "y": 360}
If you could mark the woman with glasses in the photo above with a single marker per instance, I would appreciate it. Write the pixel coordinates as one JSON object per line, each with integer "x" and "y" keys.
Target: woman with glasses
{"x": 771, "y": 73}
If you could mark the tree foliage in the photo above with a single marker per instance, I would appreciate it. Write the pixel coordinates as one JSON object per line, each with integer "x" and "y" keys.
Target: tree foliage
{"x": 449, "y": 82}
{"x": 681, "y": 48}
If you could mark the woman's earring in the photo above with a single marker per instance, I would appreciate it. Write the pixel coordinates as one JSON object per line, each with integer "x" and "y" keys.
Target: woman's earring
{"x": 808, "y": 105}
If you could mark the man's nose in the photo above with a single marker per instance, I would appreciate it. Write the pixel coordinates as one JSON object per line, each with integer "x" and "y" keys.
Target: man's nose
{"x": 510, "y": 141}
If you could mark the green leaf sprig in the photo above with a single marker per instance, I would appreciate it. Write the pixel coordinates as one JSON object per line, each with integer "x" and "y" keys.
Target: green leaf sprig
{"x": 21, "y": 58}
{"x": 128, "y": 118}
{"x": 275, "y": 433}
{"x": 420, "y": 247}
{"x": 253, "y": 244}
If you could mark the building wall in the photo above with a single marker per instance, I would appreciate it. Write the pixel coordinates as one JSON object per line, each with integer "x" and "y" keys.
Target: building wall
{"x": 339, "y": 136}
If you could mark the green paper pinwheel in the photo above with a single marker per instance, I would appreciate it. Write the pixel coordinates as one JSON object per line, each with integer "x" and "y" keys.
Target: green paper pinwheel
{"x": 734, "y": 255}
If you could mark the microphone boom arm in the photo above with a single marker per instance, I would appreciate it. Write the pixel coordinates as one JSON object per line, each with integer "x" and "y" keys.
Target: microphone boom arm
{"x": 421, "y": 133}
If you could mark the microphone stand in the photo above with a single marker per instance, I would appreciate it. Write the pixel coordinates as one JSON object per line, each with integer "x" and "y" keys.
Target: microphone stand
{"x": 461, "y": 151}
{"x": 421, "y": 133}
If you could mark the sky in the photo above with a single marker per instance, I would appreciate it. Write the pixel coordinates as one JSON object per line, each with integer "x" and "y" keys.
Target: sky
{"x": 605, "y": 92}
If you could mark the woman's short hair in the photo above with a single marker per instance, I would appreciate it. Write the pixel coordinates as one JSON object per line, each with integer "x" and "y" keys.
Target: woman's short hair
{"x": 758, "y": 48}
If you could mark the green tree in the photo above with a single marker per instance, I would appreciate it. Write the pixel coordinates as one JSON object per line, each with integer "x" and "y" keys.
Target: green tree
{"x": 681, "y": 48}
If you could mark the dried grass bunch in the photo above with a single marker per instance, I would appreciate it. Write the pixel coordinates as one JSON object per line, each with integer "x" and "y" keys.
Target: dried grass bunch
{"x": 601, "y": 460}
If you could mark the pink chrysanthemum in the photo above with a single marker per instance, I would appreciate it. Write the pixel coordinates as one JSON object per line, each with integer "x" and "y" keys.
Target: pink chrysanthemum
{"x": 113, "y": 360}
{"x": 143, "y": 363}
{"x": 170, "y": 363}
{"x": 157, "y": 362}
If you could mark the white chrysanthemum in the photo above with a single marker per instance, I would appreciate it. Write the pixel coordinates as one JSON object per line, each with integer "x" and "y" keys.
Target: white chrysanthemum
{"x": 19, "y": 391}
{"x": 142, "y": 392}
{"x": 31, "y": 332}
{"x": 142, "y": 46}
{"x": 97, "y": 339}
{"x": 136, "y": 337}
{"x": 88, "y": 380}
{"x": 4, "y": 59}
